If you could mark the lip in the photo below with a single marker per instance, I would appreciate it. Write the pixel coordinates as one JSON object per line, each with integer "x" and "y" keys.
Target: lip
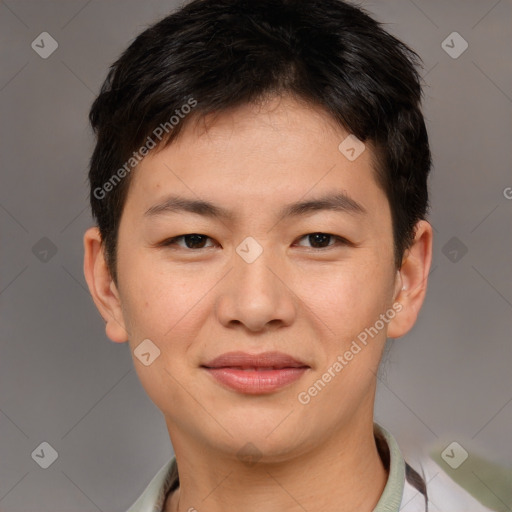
{"x": 264, "y": 373}
{"x": 261, "y": 360}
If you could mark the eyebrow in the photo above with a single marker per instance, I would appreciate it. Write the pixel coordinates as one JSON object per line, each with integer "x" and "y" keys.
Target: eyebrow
{"x": 338, "y": 202}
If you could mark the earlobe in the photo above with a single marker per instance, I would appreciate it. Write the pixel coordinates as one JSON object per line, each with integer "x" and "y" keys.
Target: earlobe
{"x": 411, "y": 281}
{"x": 102, "y": 287}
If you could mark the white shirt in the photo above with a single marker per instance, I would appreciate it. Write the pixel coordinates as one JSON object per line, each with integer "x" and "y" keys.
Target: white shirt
{"x": 425, "y": 489}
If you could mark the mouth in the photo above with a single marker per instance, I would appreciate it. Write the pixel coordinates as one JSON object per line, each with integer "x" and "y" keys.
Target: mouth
{"x": 254, "y": 368}
{"x": 255, "y": 373}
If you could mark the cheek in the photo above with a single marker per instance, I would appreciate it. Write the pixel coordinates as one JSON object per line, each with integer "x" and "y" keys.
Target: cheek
{"x": 168, "y": 308}
{"x": 159, "y": 306}
{"x": 347, "y": 299}
{"x": 162, "y": 302}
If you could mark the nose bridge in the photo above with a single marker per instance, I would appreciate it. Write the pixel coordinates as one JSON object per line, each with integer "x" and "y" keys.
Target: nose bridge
{"x": 253, "y": 295}
{"x": 252, "y": 264}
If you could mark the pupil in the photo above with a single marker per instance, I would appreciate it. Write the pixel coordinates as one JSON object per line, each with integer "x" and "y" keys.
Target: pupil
{"x": 318, "y": 238}
{"x": 194, "y": 241}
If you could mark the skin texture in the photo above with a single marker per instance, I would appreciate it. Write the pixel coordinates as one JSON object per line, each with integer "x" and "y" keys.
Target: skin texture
{"x": 311, "y": 303}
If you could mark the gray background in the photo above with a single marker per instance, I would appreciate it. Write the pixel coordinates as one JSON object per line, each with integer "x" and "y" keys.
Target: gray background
{"x": 62, "y": 381}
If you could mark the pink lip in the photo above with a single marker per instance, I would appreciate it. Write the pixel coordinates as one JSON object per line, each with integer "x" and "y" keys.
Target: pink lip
{"x": 269, "y": 371}
{"x": 262, "y": 360}
{"x": 256, "y": 382}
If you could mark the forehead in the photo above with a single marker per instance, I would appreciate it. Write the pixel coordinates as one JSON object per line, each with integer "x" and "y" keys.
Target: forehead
{"x": 276, "y": 151}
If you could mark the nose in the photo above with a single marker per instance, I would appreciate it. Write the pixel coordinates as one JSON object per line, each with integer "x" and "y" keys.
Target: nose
{"x": 256, "y": 295}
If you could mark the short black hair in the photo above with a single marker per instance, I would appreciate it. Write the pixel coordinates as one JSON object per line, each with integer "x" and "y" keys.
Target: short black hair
{"x": 214, "y": 55}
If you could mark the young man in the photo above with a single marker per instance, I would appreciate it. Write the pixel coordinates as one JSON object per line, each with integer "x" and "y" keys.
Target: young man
{"x": 260, "y": 189}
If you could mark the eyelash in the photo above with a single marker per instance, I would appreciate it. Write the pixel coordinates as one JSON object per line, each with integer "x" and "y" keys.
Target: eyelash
{"x": 170, "y": 242}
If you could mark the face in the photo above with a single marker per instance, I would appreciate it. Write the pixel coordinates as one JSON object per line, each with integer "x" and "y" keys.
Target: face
{"x": 254, "y": 274}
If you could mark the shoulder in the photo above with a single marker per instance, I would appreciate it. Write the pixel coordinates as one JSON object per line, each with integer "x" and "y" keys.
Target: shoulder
{"x": 444, "y": 495}
{"x": 423, "y": 484}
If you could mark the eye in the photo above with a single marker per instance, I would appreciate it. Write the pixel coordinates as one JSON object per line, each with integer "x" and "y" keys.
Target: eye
{"x": 196, "y": 241}
{"x": 191, "y": 240}
{"x": 321, "y": 240}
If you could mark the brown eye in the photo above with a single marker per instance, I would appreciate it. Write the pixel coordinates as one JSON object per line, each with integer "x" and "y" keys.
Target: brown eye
{"x": 192, "y": 241}
{"x": 321, "y": 240}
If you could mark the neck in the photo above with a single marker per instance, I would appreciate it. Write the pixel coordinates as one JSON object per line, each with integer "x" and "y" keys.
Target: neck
{"x": 345, "y": 473}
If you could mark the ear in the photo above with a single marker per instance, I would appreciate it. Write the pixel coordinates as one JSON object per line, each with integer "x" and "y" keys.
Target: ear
{"x": 102, "y": 287}
{"x": 411, "y": 281}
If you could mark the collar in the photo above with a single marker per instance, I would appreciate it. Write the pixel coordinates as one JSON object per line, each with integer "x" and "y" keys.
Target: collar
{"x": 391, "y": 496}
